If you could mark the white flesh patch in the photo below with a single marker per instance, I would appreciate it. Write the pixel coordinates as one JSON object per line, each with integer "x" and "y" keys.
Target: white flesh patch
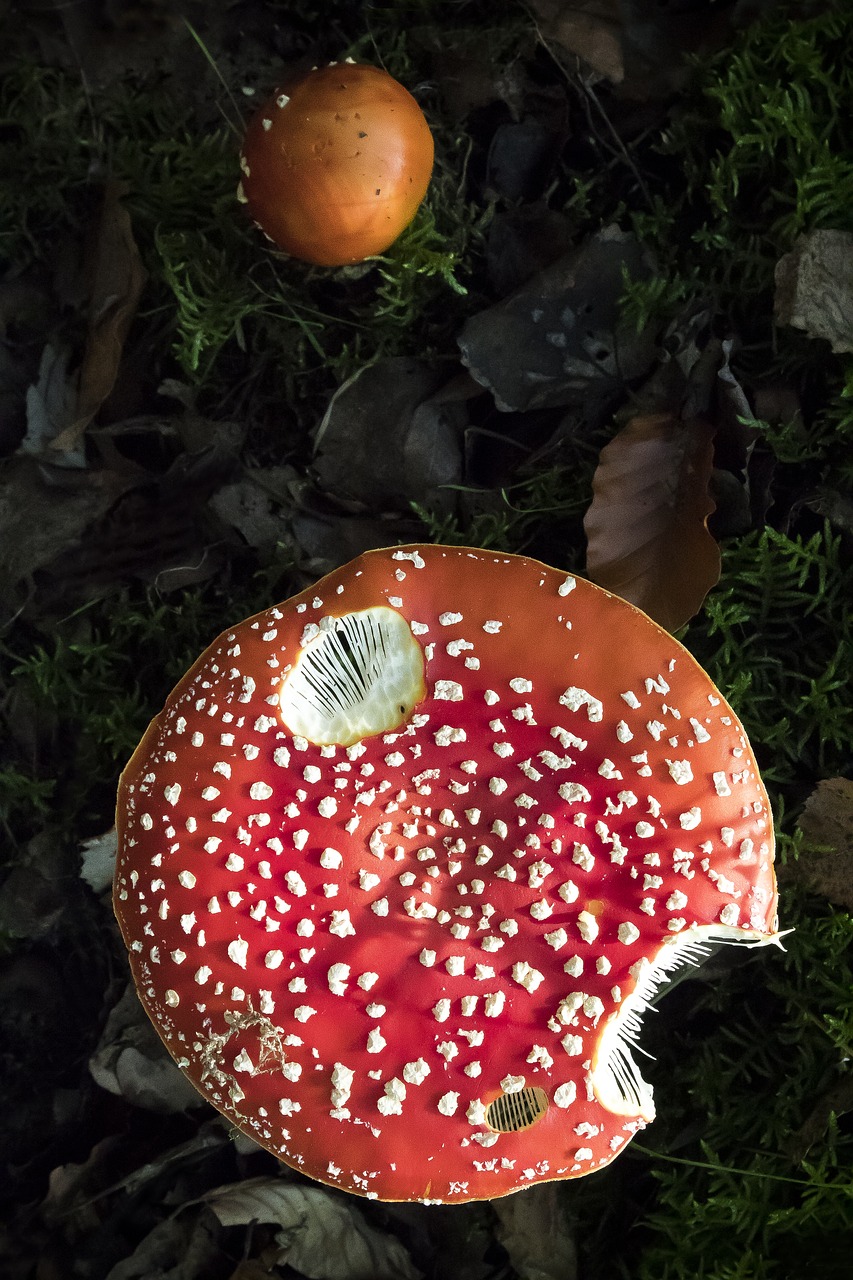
{"x": 615, "y": 1077}
{"x": 359, "y": 676}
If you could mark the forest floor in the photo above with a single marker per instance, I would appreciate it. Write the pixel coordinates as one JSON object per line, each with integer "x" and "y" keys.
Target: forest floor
{"x": 194, "y": 426}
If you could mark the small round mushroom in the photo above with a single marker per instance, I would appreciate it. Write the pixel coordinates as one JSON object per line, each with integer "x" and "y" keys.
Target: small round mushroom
{"x": 404, "y": 859}
{"x": 335, "y": 167}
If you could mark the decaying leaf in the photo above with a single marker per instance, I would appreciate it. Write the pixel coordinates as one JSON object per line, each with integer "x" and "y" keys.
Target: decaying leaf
{"x": 183, "y": 1246}
{"x": 45, "y": 511}
{"x": 646, "y": 527}
{"x": 323, "y": 1234}
{"x": 534, "y": 1228}
{"x": 827, "y": 824}
{"x": 131, "y": 1062}
{"x": 99, "y": 860}
{"x": 590, "y": 29}
{"x": 50, "y": 403}
{"x": 391, "y": 434}
{"x": 117, "y": 281}
{"x": 814, "y": 287}
{"x": 640, "y": 47}
{"x": 561, "y": 339}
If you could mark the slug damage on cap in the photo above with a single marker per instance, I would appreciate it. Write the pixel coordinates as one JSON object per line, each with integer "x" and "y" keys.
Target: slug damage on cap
{"x": 404, "y": 860}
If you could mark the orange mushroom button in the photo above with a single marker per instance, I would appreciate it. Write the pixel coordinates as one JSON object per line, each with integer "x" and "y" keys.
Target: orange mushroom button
{"x": 334, "y": 168}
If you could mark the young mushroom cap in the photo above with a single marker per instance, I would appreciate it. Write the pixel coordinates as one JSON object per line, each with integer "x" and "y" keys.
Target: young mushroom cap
{"x": 335, "y": 167}
{"x": 403, "y": 860}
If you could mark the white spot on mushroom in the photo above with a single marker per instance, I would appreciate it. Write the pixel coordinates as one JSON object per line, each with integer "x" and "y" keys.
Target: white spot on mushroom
{"x": 680, "y": 771}
{"x": 587, "y": 926}
{"x": 494, "y": 1004}
{"x": 565, "y": 1094}
{"x": 441, "y": 1010}
{"x": 337, "y": 978}
{"x": 526, "y": 976}
{"x": 416, "y": 1072}
{"x": 295, "y": 884}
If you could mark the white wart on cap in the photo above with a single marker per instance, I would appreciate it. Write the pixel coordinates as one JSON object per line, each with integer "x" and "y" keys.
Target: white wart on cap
{"x": 403, "y": 860}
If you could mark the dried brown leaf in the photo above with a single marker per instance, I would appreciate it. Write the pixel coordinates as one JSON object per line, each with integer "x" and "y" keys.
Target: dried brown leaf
{"x": 827, "y": 822}
{"x": 322, "y": 1234}
{"x": 814, "y": 287}
{"x": 591, "y": 29}
{"x": 391, "y": 435}
{"x": 117, "y": 280}
{"x": 639, "y": 47}
{"x": 646, "y": 527}
{"x": 536, "y": 1231}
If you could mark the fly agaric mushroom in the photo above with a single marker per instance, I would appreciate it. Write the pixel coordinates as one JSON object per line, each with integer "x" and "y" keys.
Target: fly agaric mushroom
{"x": 404, "y": 859}
{"x": 335, "y": 168}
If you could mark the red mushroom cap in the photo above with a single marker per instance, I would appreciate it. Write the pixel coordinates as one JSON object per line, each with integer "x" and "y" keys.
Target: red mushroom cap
{"x": 404, "y": 858}
{"x": 334, "y": 168}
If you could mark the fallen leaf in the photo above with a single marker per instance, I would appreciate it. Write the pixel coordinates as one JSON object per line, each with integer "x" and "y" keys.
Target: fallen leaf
{"x": 98, "y": 860}
{"x": 639, "y": 47}
{"x": 256, "y": 505}
{"x": 184, "y": 1246}
{"x": 646, "y": 527}
{"x": 50, "y": 403}
{"x": 131, "y": 1062}
{"x": 44, "y": 513}
{"x": 561, "y": 340}
{"x": 814, "y": 287}
{"x": 590, "y": 29}
{"x": 535, "y": 1229}
{"x": 827, "y": 824}
{"x": 390, "y": 435}
{"x": 117, "y": 280}
{"x": 323, "y": 1234}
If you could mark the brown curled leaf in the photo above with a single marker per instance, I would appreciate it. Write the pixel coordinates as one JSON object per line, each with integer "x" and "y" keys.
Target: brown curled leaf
{"x": 117, "y": 280}
{"x": 646, "y": 527}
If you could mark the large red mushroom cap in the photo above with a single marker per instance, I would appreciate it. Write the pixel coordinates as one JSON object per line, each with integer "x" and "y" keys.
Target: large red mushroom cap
{"x": 403, "y": 860}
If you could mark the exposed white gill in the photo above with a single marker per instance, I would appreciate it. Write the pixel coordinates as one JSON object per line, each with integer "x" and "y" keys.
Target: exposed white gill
{"x": 615, "y": 1077}
{"x": 359, "y": 676}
